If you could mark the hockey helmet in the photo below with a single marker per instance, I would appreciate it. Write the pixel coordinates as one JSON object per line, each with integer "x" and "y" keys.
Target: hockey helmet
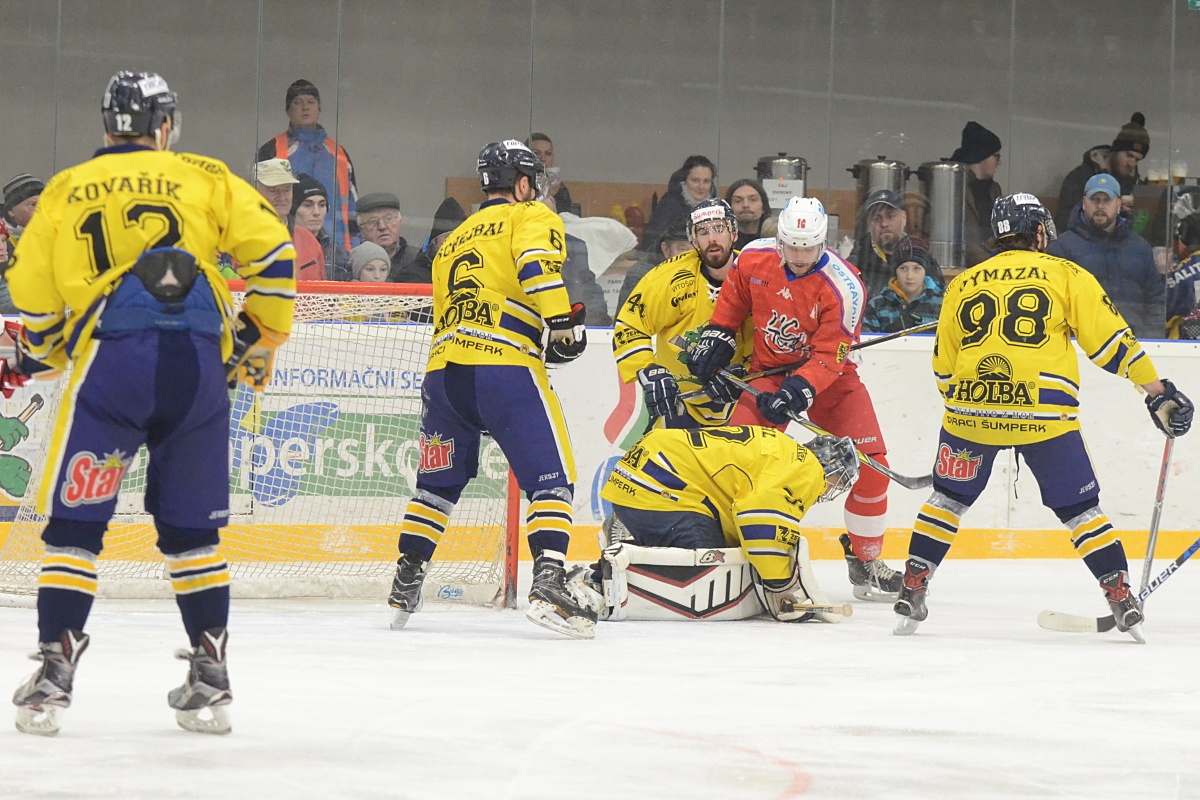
{"x": 1021, "y": 214}
{"x": 500, "y": 163}
{"x": 1186, "y": 212}
{"x": 839, "y": 459}
{"x": 137, "y": 104}
{"x": 802, "y": 223}
{"x": 707, "y": 211}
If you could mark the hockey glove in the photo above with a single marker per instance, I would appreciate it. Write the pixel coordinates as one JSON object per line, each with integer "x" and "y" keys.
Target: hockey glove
{"x": 722, "y": 391}
{"x": 568, "y": 336}
{"x": 17, "y": 367}
{"x": 794, "y": 397}
{"x": 660, "y": 391}
{"x": 254, "y": 347}
{"x": 1171, "y": 411}
{"x": 712, "y": 353}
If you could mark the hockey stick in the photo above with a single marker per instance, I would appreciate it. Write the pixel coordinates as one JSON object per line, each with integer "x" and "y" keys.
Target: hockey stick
{"x": 1156, "y": 516}
{"x": 923, "y": 482}
{"x": 679, "y": 342}
{"x": 845, "y": 609}
{"x": 1073, "y": 623}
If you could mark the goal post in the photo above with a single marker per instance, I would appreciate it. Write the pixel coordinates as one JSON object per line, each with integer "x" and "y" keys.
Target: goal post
{"x": 322, "y": 464}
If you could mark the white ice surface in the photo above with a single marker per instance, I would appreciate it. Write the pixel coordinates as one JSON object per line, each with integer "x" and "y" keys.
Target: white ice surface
{"x": 979, "y": 703}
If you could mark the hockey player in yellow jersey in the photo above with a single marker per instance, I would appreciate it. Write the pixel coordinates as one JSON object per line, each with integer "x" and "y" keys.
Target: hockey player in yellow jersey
{"x": 116, "y": 277}
{"x": 1006, "y": 367}
{"x": 667, "y": 311}
{"x": 497, "y": 293}
{"x": 731, "y": 486}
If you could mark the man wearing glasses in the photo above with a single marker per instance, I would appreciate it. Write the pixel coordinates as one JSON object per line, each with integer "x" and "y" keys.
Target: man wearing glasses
{"x": 379, "y": 221}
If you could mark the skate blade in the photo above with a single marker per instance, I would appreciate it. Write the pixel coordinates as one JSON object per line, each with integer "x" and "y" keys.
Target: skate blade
{"x": 217, "y": 722}
{"x": 39, "y": 720}
{"x": 546, "y": 616}
{"x": 905, "y": 625}
{"x": 873, "y": 595}
{"x": 399, "y": 619}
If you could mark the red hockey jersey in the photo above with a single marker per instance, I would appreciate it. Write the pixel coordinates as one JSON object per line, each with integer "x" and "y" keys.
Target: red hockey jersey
{"x": 816, "y": 316}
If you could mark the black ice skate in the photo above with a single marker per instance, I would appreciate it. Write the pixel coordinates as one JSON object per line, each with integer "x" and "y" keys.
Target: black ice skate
{"x": 206, "y": 686}
{"x": 872, "y": 580}
{"x": 44, "y": 694}
{"x": 1126, "y": 608}
{"x": 910, "y": 608}
{"x": 555, "y": 607}
{"x": 405, "y": 598}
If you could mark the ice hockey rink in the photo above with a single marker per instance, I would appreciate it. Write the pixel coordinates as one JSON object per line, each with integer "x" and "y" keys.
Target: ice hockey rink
{"x": 979, "y": 703}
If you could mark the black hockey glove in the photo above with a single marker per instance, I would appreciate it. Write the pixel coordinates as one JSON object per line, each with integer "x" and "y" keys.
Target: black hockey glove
{"x": 568, "y": 336}
{"x": 794, "y": 397}
{"x": 712, "y": 353}
{"x": 723, "y": 391}
{"x": 660, "y": 391}
{"x": 1171, "y": 411}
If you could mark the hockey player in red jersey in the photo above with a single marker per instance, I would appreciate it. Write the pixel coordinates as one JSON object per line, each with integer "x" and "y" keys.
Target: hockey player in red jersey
{"x": 807, "y": 305}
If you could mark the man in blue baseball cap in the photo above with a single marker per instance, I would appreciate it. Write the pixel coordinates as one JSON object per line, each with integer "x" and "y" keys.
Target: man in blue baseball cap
{"x": 1101, "y": 241}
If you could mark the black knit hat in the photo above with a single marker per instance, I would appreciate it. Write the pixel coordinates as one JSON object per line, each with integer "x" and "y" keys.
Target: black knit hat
{"x": 978, "y": 143}
{"x": 1133, "y": 136}
{"x": 910, "y": 249}
{"x": 306, "y": 188}
{"x": 19, "y": 189}
{"x": 298, "y": 88}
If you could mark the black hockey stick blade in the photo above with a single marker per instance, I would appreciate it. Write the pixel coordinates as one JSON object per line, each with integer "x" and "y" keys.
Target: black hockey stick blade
{"x": 921, "y": 482}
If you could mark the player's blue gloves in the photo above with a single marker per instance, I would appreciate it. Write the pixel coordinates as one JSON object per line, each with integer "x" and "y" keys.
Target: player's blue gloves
{"x": 712, "y": 353}
{"x": 568, "y": 336}
{"x": 1171, "y": 411}
{"x": 794, "y": 397}
{"x": 661, "y": 391}
{"x": 723, "y": 391}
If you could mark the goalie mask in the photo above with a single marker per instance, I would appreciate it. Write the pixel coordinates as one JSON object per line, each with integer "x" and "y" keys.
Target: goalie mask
{"x": 839, "y": 459}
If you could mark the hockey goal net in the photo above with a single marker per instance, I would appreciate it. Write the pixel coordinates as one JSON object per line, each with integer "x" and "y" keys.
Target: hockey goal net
{"x": 322, "y": 464}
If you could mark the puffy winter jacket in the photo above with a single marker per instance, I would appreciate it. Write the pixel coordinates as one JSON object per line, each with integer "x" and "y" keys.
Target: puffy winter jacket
{"x": 1095, "y": 161}
{"x": 891, "y": 311}
{"x": 314, "y": 153}
{"x": 1124, "y": 264}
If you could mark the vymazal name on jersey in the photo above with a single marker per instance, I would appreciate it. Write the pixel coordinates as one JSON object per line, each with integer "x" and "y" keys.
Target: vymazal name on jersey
{"x": 978, "y": 275}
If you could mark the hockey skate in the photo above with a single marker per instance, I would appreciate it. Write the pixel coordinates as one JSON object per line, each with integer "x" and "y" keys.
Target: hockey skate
{"x": 910, "y": 608}
{"x": 44, "y": 694}
{"x": 1126, "y": 608}
{"x": 872, "y": 580}
{"x": 206, "y": 686}
{"x": 554, "y": 606}
{"x": 405, "y": 598}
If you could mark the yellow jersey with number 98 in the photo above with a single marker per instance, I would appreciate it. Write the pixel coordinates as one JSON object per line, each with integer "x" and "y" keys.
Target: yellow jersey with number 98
{"x": 1003, "y": 357}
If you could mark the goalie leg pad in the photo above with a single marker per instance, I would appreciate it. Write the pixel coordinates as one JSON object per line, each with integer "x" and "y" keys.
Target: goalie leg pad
{"x": 671, "y": 583}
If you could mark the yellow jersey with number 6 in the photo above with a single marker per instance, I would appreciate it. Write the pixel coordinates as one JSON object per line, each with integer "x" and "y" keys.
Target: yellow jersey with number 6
{"x": 1003, "y": 357}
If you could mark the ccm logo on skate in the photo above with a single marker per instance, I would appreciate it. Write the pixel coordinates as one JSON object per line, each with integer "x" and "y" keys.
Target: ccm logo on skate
{"x": 435, "y": 454}
{"x": 92, "y": 480}
{"x": 960, "y": 466}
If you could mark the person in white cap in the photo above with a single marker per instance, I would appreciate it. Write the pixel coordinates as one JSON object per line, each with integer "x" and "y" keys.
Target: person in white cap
{"x": 274, "y": 180}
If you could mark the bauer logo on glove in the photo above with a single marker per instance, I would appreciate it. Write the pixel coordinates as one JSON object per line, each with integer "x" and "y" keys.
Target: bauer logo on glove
{"x": 254, "y": 348}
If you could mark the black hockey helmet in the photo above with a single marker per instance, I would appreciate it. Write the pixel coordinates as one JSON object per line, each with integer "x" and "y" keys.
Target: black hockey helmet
{"x": 1186, "y": 212}
{"x": 708, "y": 210}
{"x": 500, "y": 163}
{"x": 137, "y": 104}
{"x": 1021, "y": 214}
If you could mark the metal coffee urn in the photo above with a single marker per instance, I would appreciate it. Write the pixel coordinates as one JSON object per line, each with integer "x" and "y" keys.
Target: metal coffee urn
{"x": 873, "y": 174}
{"x": 944, "y": 184}
{"x": 783, "y": 177}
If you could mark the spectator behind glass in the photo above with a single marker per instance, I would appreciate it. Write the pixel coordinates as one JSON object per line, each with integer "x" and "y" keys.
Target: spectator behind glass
{"x": 6, "y": 304}
{"x": 911, "y": 297}
{"x": 310, "y": 207}
{"x": 448, "y": 216}
{"x": 380, "y": 222}
{"x": 1101, "y": 241}
{"x": 749, "y": 202}
{"x": 1183, "y": 284}
{"x": 21, "y": 195}
{"x": 543, "y": 148}
{"x": 369, "y": 263}
{"x": 980, "y": 151}
{"x": 274, "y": 180}
{"x": 673, "y": 242}
{"x": 1120, "y": 160}
{"x": 312, "y": 152}
{"x": 688, "y": 185}
{"x": 581, "y": 281}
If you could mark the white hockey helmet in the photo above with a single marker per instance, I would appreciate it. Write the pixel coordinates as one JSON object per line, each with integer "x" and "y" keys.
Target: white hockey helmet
{"x": 839, "y": 459}
{"x": 802, "y": 223}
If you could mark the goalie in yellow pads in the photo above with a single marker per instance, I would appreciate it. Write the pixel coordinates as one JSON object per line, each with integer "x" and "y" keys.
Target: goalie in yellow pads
{"x": 733, "y": 486}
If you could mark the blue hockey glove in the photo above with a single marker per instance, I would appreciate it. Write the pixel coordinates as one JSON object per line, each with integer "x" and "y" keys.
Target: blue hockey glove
{"x": 794, "y": 397}
{"x": 723, "y": 391}
{"x": 1171, "y": 411}
{"x": 712, "y": 353}
{"x": 660, "y": 391}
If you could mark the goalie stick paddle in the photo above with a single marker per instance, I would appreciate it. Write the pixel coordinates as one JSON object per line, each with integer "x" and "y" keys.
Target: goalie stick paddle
{"x": 922, "y": 482}
{"x": 1073, "y": 623}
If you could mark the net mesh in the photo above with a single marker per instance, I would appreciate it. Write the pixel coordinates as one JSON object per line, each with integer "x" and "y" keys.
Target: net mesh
{"x": 321, "y": 466}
